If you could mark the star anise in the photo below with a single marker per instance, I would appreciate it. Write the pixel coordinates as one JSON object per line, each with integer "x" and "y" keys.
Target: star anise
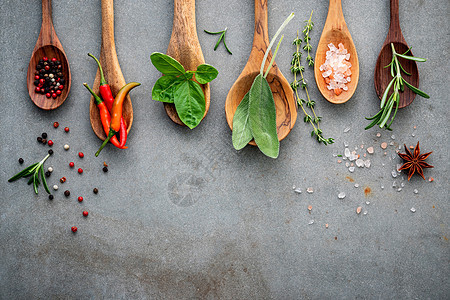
{"x": 414, "y": 162}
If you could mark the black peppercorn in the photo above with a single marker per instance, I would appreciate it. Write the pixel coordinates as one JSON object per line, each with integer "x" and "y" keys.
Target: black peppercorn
{"x": 95, "y": 190}
{"x": 50, "y": 197}
{"x": 57, "y": 62}
{"x": 50, "y": 151}
{"x": 44, "y": 141}
{"x": 41, "y": 61}
{"x": 39, "y": 139}
{"x": 105, "y": 169}
{"x": 21, "y": 160}
{"x": 39, "y": 66}
{"x": 67, "y": 193}
{"x": 62, "y": 81}
{"x": 44, "y": 135}
{"x": 48, "y": 174}
{"x": 36, "y": 82}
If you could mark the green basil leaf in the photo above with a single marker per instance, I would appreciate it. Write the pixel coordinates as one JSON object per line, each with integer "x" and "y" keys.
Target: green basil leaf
{"x": 205, "y": 73}
{"x": 166, "y": 64}
{"x": 164, "y": 88}
{"x": 190, "y": 103}
{"x": 262, "y": 118}
{"x": 242, "y": 133}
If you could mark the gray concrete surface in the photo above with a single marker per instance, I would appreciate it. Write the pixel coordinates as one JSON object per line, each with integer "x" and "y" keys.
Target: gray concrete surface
{"x": 180, "y": 214}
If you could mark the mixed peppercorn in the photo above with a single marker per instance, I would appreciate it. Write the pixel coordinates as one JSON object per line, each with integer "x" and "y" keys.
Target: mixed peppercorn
{"x": 48, "y": 78}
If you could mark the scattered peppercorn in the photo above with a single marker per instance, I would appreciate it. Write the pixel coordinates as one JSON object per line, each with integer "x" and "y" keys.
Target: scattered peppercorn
{"x": 105, "y": 164}
{"x": 44, "y": 141}
{"x": 44, "y": 135}
{"x": 67, "y": 193}
{"x": 105, "y": 169}
{"x": 80, "y": 199}
{"x": 39, "y": 139}
{"x": 80, "y": 154}
{"x": 63, "y": 179}
{"x": 55, "y": 124}
{"x": 50, "y": 152}
{"x": 50, "y": 143}
{"x": 66, "y": 147}
{"x": 50, "y": 197}
{"x": 85, "y": 213}
{"x": 50, "y": 169}
{"x": 71, "y": 164}
{"x": 48, "y": 174}
{"x": 80, "y": 170}
{"x": 55, "y": 187}
{"x": 95, "y": 190}
{"x": 74, "y": 229}
{"x": 66, "y": 129}
{"x": 21, "y": 160}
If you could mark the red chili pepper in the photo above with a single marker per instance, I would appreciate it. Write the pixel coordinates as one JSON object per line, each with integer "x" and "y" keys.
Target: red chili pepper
{"x": 105, "y": 92}
{"x": 116, "y": 113}
{"x": 104, "y": 116}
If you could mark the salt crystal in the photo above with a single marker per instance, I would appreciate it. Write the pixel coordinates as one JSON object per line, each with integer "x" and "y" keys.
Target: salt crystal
{"x": 309, "y": 190}
{"x": 370, "y": 150}
{"x": 298, "y": 190}
{"x": 358, "y": 210}
{"x": 351, "y": 169}
{"x": 339, "y": 161}
{"x": 367, "y": 202}
{"x": 341, "y": 195}
{"x": 326, "y": 225}
{"x": 347, "y": 164}
{"x": 293, "y": 187}
{"x": 365, "y": 212}
{"x": 360, "y": 163}
{"x": 398, "y": 167}
{"x": 347, "y": 152}
{"x": 394, "y": 174}
{"x": 345, "y": 144}
{"x": 367, "y": 163}
{"x": 356, "y": 185}
{"x": 393, "y": 137}
{"x": 391, "y": 143}
{"x": 309, "y": 207}
{"x": 365, "y": 154}
{"x": 378, "y": 134}
{"x": 311, "y": 222}
{"x": 383, "y": 145}
{"x": 413, "y": 135}
{"x": 402, "y": 184}
{"x": 382, "y": 187}
{"x": 347, "y": 129}
{"x": 416, "y": 191}
{"x": 431, "y": 179}
{"x": 399, "y": 189}
{"x": 413, "y": 209}
{"x": 394, "y": 184}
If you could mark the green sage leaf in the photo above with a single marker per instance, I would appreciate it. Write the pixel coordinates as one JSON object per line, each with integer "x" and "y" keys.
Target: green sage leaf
{"x": 166, "y": 64}
{"x": 164, "y": 88}
{"x": 262, "y": 118}
{"x": 242, "y": 133}
{"x": 205, "y": 73}
{"x": 190, "y": 103}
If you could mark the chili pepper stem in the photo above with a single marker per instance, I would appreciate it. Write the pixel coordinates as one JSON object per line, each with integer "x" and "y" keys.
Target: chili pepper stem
{"x": 110, "y": 135}
{"x": 102, "y": 77}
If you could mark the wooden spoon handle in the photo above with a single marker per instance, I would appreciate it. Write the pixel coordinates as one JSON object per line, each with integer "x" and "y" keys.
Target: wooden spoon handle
{"x": 335, "y": 17}
{"x": 261, "y": 34}
{"x": 108, "y": 44}
{"x": 395, "y": 20}
{"x": 184, "y": 17}
{"x": 47, "y": 13}
{"x": 47, "y": 36}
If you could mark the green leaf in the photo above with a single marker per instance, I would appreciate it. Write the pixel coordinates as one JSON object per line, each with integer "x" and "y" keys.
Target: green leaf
{"x": 263, "y": 117}
{"x": 166, "y": 64}
{"x": 164, "y": 88}
{"x": 415, "y": 90}
{"x": 386, "y": 92}
{"x": 411, "y": 57}
{"x": 190, "y": 103}
{"x": 22, "y": 173}
{"x": 44, "y": 182}
{"x": 242, "y": 133}
{"x": 205, "y": 73}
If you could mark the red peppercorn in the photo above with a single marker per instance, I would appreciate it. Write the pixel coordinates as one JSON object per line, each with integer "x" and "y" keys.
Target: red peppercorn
{"x": 37, "y": 89}
{"x": 66, "y": 129}
{"x": 55, "y": 124}
{"x": 50, "y": 143}
{"x": 60, "y": 87}
{"x": 41, "y": 80}
{"x": 54, "y": 95}
{"x": 48, "y": 95}
{"x": 80, "y": 170}
{"x": 45, "y": 58}
{"x": 71, "y": 164}
{"x": 85, "y": 213}
{"x": 80, "y": 154}
{"x": 58, "y": 92}
{"x": 80, "y": 199}
{"x": 47, "y": 67}
{"x": 53, "y": 59}
{"x": 36, "y": 77}
{"x": 74, "y": 229}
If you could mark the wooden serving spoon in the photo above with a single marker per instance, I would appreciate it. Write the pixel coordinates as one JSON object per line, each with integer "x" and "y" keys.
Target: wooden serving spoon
{"x": 383, "y": 75}
{"x": 111, "y": 70}
{"x": 185, "y": 48}
{"x": 48, "y": 45}
{"x": 335, "y": 31}
{"x": 282, "y": 92}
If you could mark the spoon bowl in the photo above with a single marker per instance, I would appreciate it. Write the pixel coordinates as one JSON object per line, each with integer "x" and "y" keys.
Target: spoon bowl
{"x": 283, "y": 94}
{"x": 185, "y": 48}
{"x": 382, "y": 75}
{"x": 48, "y": 45}
{"x": 112, "y": 72}
{"x": 335, "y": 31}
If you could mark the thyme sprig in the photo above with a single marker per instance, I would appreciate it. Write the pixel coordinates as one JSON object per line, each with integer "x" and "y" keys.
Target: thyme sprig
{"x": 387, "y": 104}
{"x": 34, "y": 171}
{"x": 298, "y": 69}
{"x": 221, "y": 38}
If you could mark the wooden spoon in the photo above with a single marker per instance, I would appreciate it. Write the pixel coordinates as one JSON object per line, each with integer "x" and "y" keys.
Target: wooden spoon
{"x": 335, "y": 31}
{"x": 383, "y": 75}
{"x": 185, "y": 47}
{"x": 111, "y": 69}
{"x": 282, "y": 92}
{"x": 48, "y": 45}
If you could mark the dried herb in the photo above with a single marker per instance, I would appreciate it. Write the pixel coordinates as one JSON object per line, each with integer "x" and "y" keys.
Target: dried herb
{"x": 414, "y": 162}
{"x": 298, "y": 69}
{"x": 397, "y": 82}
{"x": 35, "y": 171}
{"x": 221, "y": 38}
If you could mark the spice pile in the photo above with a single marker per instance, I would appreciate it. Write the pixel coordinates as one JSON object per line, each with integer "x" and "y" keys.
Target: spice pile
{"x": 48, "y": 77}
{"x": 337, "y": 68}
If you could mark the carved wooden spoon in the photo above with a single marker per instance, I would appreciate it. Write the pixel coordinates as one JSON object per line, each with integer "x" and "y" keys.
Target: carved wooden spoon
{"x": 335, "y": 31}
{"x": 383, "y": 75}
{"x": 282, "y": 92}
{"x": 111, "y": 69}
{"x": 48, "y": 45}
{"x": 185, "y": 47}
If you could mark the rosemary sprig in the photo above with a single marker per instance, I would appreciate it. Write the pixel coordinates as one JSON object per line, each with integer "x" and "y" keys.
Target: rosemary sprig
{"x": 221, "y": 38}
{"x": 387, "y": 104}
{"x": 298, "y": 69}
{"x": 34, "y": 171}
